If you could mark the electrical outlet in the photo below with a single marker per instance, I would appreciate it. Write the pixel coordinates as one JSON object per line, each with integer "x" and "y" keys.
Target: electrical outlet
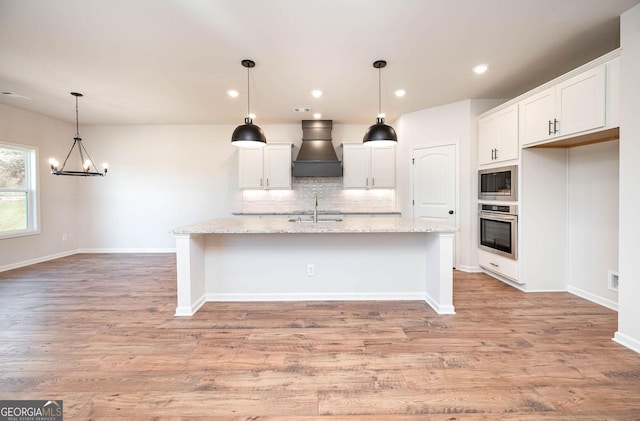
{"x": 311, "y": 269}
{"x": 64, "y": 237}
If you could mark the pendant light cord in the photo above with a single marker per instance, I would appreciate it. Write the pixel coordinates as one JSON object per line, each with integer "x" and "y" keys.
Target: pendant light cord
{"x": 248, "y": 95}
{"x": 77, "y": 124}
{"x": 379, "y": 92}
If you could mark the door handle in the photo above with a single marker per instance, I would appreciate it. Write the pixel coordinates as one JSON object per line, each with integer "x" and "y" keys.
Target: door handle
{"x": 451, "y": 212}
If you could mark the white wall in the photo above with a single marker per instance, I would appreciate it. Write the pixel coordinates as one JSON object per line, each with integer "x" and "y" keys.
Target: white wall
{"x": 593, "y": 221}
{"x": 58, "y": 198}
{"x": 451, "y": 123}
{"x": 629, "y": 291}
{"x": 160, "y": 177}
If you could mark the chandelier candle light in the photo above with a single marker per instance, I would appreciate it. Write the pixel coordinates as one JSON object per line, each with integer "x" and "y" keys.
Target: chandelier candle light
{"x": 380, "y": 134}
{"x": 89, "y": 169}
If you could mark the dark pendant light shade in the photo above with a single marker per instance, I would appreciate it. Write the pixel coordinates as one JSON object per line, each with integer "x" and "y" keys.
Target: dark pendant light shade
{"x": 248, "y": 134}
{"x": 380, "y": 134}
{"x": 88, "y": 167}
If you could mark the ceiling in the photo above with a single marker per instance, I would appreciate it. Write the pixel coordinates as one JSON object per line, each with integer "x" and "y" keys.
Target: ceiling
{"x": 172, "y": 61}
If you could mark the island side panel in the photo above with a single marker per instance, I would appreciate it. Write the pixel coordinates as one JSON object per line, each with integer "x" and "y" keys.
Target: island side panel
{"x": 439, "y": 279}
{"x": 346, "y": 266}
{"x": 190, "y": 266}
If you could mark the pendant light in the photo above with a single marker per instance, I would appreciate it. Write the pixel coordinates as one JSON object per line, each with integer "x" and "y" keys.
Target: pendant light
{"x": 88, "y": 167}
{"x": 380, "y": 134}
{"x": 248, "y": 134}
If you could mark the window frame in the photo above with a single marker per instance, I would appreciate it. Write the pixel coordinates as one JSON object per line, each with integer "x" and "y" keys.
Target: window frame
{"x": 32, "y": 190}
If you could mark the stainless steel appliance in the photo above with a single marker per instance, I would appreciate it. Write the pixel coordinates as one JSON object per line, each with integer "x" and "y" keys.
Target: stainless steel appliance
{"x": 498, "y": 183}
{"x": 499, "y": 229}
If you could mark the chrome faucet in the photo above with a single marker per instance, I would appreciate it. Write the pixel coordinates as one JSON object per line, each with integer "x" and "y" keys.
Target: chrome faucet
{"x": 315, "y": 209}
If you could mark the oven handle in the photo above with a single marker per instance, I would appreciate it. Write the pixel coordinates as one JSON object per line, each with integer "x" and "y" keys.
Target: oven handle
{"x": 498, "y": 216}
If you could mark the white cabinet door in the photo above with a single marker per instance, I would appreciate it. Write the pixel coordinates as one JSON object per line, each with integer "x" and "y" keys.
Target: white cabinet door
{"x": 383, "y": 167}
{"x": 268, "y": 167}
{"x": 355, "y": 166}
{"x": 498, "y": 136}
{"x": 366, "y": 167}
{"x": 576, "y": 105}
{"x": 537, "y": 114}
{"x": 277, "y": 166}
{"x": 580, "y": 102}
{"x": 250, "y": 168}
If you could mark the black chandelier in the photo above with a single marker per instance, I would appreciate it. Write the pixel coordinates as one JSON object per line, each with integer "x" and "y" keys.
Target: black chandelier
{"x": 380, "y": 134}
{"x": 248, "y": 134}
{"x": 89, "y": 169}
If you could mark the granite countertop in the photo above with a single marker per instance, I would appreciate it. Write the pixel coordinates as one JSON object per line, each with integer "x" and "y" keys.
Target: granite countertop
{"x": 320, "y": 212}
{"x": 284, "y": 226}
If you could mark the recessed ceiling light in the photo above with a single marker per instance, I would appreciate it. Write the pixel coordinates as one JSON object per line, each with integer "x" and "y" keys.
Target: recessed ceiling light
{"x": 233, "y": 93}
{"x": 480, "y": 68}
{"x": 317, "y": 115}
{"x": 400, "y": 93}
{"x": 316, "y": 93}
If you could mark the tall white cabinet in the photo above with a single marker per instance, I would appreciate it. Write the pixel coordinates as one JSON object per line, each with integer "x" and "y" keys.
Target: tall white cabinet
{"x": 366, "y": 167}
{"x": 268, "y": 167}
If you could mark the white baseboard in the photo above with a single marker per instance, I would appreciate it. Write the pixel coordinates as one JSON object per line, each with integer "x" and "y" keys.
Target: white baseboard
{"x": 469, "y": 269}
{"x": 126, "y": 250}
{"x": 191, "y": 310}
{"x": 440, "y": 309}
{"x": 628, "y": 341}
{"x": 37, "y": 260}
{"x": 77, "y": 251}
{"x": 378, "y": 296}
{"x": 593, "y": 298}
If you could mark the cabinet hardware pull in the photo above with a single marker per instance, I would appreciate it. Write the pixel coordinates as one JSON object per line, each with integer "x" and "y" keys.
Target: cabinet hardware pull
{"x": 261, "y": 182}
{"x": 267, "y": 182}
{"x": 493, "y": 264}
{"x": 373, "y": 182}
{"x": 367, "y": 182}
{"x": 496, "y": 153}
{"x": 555, "y": 125}
{"x": 492, "y": 154}
{"x": 550, "y": 132}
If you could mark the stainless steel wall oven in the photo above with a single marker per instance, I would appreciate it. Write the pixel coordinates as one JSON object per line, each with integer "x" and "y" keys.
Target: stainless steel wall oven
{"x": 499, "y": 229}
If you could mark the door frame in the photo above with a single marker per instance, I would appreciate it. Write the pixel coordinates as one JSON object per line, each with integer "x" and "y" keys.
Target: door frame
{"x": 456, "y": 151}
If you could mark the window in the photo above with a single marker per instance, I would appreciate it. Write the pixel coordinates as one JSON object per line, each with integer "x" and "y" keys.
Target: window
{"x": 18, "y": 200}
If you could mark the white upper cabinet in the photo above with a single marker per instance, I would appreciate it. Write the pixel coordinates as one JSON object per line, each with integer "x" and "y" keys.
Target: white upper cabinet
{"x": 571, "y": 107}
{"x": 367, "y": 167}
{"x": 498, "y": 136}
{"x": 265, "y": 168}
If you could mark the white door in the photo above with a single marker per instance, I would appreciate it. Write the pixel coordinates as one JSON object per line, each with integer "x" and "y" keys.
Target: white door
{"x": 434, "y": 183}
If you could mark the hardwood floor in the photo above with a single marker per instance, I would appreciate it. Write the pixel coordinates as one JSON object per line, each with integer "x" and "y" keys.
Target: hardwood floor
{"x": 98, "y": 331}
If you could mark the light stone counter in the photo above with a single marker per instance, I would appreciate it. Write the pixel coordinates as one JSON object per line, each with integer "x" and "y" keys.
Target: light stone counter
{"x": 272, "y": 259}
{"x": 284, "y": 226}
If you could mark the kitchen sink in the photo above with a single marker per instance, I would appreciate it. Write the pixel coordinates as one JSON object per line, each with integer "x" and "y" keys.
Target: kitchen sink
{"x": 319, "y": 220}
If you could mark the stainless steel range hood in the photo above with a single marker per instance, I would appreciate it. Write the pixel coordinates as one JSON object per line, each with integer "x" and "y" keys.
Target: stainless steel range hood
{"x": 317, "y": 157}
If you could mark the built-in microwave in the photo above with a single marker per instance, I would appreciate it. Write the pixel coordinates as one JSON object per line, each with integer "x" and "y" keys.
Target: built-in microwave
{"x": 498, "y": 183}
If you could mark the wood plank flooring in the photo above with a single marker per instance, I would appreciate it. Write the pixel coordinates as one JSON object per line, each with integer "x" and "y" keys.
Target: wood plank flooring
{"x": 98, "y": 331}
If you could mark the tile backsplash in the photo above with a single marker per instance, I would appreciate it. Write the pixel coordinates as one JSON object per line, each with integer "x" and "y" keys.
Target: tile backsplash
{"x": 331, "y": 197}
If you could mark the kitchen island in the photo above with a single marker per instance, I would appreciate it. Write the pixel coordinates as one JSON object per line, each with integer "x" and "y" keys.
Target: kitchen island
{"x": 258, "y": 259}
